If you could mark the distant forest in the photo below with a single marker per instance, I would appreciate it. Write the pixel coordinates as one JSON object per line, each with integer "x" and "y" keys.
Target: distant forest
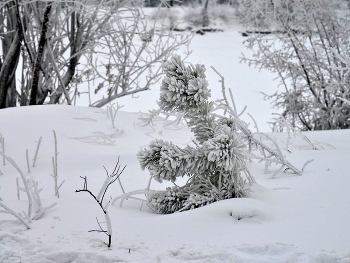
{"x": 154, "y": 3}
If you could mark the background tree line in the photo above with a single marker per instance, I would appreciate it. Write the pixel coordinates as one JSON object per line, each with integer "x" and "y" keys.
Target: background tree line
{"x": 155, "y": 3}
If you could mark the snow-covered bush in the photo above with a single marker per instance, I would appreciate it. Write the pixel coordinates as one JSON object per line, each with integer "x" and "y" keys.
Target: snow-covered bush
{"x": 295, "y": 39}
{"x": 214, "y": 164}
{"x": 260, "y": 20}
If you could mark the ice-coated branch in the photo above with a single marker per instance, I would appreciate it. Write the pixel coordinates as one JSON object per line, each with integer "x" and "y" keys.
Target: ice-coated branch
{"x": 345, "y": 100}
{"x": 109, "y": 227}
{"x": 108, "y": 232}
{"x": 129, "y": 195}
{"x": 112, "y": 112}
{"x": 309, "y": 161}
{"x": 56, "y": 153}
{"x": 33, "y": 186}
{"x": 148, "y": 118}
{"x": 344, "y": 60}
{"x": 85, "y": 189}
{"x": 101, "y": 230}
{"x": 111, "y": 178}
{"x": 243, "y": 127}
{"x": 2, "y": 142}
{"x": 36, "y": 152}
{"x": 18, "y": 189}
{"x": 27, "y": 161}
{"x": 36, "y": 197}
{"x": 30, "y": 200}
{"x": 10, "y": 211}
{"x": 100, "y": 138}
{"x": 53, "y": 61}
{"x": 25, "y": 216}
{"x": 54, "y": 164}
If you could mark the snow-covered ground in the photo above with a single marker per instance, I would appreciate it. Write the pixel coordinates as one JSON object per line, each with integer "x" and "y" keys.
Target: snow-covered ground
{"x": 287, "y": 219}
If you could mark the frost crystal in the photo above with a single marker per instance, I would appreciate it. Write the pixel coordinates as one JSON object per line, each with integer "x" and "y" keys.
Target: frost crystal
{"x": 214, "y": 165}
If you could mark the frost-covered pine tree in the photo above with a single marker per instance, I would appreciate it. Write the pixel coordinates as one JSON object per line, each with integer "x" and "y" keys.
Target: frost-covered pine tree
{"x": 216, "y": 162}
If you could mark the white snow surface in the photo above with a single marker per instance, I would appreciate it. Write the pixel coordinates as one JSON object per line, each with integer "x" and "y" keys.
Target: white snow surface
{"x": 290, "y": 218}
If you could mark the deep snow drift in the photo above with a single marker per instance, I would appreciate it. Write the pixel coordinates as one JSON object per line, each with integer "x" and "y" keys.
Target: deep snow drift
{"x": 287, "y": 219}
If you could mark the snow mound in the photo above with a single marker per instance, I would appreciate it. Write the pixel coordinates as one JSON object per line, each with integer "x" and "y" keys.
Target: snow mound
{"x": 287, "y": 219}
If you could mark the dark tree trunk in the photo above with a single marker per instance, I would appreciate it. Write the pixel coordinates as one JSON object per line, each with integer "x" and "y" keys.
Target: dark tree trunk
{"x": 11, "y": 50}
{"x": 12, "y": 94}
{"x": 36, "y": 74}
{"x": 77, "y": 45}
{"x": 205, "y": 14}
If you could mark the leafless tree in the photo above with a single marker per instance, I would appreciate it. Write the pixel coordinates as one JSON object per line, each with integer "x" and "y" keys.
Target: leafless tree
{"x": 11, "y": 34}
{"x": 136, "y": 51}
{"x": 58, "y": 45}
{"x": 296, "y": 39}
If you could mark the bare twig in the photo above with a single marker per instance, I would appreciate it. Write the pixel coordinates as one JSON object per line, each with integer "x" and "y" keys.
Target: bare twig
{"x": 243, "y": 127}
{"x": 54, "y": 164}
{"x": 309, "y": 161}
{"x": 18, "y": 189}
{"x": 36, "y": 151}
{"x": 18, "y": 216}
{"x": 36, "y": 197}
{"x": 111, "y": 178}
{"x": 113, "y": 112}
{"x": 27, "y": 161}
{"x": 30, "y": 199}
{"x": 53, "y": 61}
{"x": 2, "y": 141}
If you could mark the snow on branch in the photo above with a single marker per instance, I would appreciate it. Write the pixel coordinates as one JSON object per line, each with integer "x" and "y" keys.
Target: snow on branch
{"x": 344, "y": 60}
{"x": 111, "y": 178}
{"x": 274, "y": 153}
{"x": 32, "y": 191}
{"x": 216, "y": 165}
{"x": 17, "y": 215}
{"x": 2, "y": 142}
{"x": 36, "y": 151}
{"x": 24, "y": 180}
{"x": 112, "y": 112}
{"x": 55, "y": 170}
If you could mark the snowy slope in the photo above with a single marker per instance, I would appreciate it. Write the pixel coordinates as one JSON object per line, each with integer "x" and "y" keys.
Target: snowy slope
{"x": 287, "y": 219}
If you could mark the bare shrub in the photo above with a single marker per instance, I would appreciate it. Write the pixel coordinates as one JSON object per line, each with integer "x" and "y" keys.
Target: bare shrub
{"x": 295, "y": 39}
{"x": 60, "y": 46}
